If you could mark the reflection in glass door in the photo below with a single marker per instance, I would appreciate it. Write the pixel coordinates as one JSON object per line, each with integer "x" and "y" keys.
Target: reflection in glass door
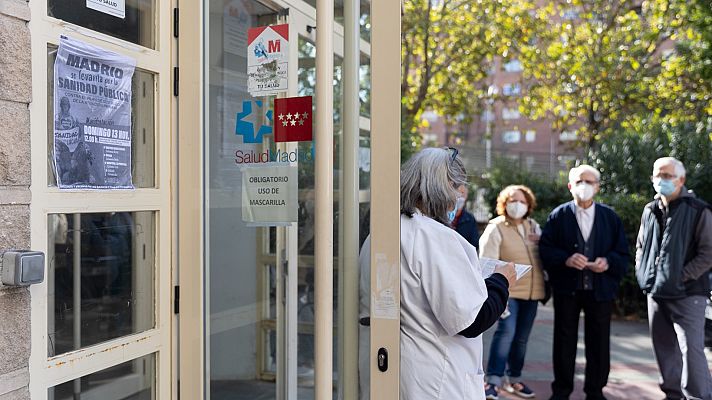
{"x": 260, "y": 279}
{"x": 241, "y": 259}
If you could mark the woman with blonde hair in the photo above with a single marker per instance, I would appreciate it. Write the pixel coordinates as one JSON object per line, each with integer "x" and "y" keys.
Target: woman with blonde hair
{"x": 513, "y": 236}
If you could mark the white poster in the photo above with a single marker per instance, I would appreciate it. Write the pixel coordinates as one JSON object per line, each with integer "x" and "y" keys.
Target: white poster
{"x": 267, "y": 59}
{"x": 269, "y": 194}
{"x": 92, "y": 117}
{"x": 117, "y": 8}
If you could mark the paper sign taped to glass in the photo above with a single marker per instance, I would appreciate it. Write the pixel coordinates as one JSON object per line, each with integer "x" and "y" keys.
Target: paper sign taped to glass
{"x": 269, "y": 194}
{"x": 92, "y": 117}
{"x": 489, "y": 264}
{"x": 267, "y": 59}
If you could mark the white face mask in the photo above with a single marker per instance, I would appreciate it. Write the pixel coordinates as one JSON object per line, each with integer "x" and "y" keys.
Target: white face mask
{"x": 516, "y": 209}
{"x": 583, "y": 191}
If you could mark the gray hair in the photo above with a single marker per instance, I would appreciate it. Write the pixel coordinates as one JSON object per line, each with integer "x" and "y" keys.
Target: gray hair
{"x": 576, "y": 172}
{"x": 679, "y": 166}
{"x": 429, "y": 182}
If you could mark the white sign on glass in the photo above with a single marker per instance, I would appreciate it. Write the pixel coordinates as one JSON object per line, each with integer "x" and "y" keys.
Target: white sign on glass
{"x": 269, "y": 194}
{"x": 117, "y": 8}
{"x": 267, "y": 59}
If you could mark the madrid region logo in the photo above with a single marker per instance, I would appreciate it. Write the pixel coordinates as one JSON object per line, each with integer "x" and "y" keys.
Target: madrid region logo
{"x": 246, "y": 129}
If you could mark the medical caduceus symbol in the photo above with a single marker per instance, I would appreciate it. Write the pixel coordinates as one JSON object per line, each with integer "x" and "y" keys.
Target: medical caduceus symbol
{"x": 246, "y": 129}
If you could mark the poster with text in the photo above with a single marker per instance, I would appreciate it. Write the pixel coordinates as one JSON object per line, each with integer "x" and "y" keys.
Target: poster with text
{"x": 267, "y": 59}
{"x": 92, "y": 117}
{"x": 269, "y": 194}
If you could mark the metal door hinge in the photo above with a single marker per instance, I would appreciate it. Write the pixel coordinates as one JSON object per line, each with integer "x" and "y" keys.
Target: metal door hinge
{"x": 175, "y": 22}
{"x": 176, "y": 299}
{"x": 175, "y": 81}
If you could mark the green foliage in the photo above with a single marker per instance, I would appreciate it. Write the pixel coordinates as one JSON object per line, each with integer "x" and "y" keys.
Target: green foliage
{"x": 446, "y": 50}
{"x": 549, "y": 192}
{"x": 691, "y": 68}
{"x": 598, "y": 65}
{"x": 625, "y": 160}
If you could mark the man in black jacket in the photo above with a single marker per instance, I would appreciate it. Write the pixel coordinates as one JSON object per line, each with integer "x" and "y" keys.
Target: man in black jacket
{"x": 672, "y": 259}
{"x": 584, "y": 251}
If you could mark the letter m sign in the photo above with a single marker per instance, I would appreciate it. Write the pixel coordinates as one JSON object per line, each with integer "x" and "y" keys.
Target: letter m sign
{"x": 274, "y": 46}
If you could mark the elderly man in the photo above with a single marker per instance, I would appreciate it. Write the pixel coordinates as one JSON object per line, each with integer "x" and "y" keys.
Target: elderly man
{"x": 673, "y": 256}
{"x": 584, "y": 251}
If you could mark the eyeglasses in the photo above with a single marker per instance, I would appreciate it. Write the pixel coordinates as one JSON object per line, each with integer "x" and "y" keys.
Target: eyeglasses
{"x": 665, "y": 176}
{"x": 453, "y": 153}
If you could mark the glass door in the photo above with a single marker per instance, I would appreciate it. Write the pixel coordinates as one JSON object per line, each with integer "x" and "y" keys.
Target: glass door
{"x": 246, "y": 255}
{"x": 102, "y": 319}
{"x": 259, "y": 273}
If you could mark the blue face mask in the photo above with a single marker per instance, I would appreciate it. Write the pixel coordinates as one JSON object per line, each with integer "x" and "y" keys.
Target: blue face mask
{"x": 665, "y": 187}
{"x": 451, "y": 216}
{"x": 452, "y": 213}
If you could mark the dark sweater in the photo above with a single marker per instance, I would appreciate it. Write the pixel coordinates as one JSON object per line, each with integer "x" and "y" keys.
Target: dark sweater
{"x": 559, "y": 240}
{"x": 466, "y": 226}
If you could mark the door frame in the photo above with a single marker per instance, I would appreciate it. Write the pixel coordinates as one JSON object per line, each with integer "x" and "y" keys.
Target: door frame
{"x": 46, "y": 372}
{"x": 385, "y": 157}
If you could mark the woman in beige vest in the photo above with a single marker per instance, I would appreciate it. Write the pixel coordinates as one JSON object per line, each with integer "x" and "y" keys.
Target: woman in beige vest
{"x": 513, "y": 236}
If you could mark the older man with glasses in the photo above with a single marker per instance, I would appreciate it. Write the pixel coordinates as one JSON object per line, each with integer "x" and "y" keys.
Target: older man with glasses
{"x": 584, "y": 251}
{"x": 672, "y": 260}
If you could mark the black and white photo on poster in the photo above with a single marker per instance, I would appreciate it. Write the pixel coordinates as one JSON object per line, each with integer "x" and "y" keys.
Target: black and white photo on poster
{"x": 92, "y": 117}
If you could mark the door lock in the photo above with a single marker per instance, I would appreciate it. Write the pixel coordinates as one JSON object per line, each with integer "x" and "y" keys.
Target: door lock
{"x": 382, "y": 359}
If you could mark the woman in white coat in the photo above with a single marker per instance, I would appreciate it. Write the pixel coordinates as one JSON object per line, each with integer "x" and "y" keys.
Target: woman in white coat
{"x": 445, "y": 303}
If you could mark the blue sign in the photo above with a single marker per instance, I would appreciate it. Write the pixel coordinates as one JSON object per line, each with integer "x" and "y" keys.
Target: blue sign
{"x": 246, "y": 129}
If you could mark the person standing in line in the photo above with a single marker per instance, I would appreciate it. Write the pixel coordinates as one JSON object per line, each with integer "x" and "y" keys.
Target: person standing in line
{"x": 672, "y": 260}
{"x": 464, "y": 222}
{"x": 584, "y": 250}
{"x": 513, "y": 236}
{"x": 445, "y": 302}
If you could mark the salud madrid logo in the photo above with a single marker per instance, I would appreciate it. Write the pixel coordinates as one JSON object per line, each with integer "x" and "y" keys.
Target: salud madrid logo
{"x": 294, "y": 125}
{"x": 266, "y": 156}
{"x": 246, "y": 129}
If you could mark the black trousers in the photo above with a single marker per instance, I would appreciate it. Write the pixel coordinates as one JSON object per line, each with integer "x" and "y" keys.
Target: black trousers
{"x": 597, "y": 333}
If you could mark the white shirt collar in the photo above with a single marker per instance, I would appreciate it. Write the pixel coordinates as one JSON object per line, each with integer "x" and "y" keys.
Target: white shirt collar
{"x": 589, "y": 210}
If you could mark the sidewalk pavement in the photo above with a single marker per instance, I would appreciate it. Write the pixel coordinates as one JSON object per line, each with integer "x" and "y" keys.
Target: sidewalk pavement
{"x": 634, "y": 373}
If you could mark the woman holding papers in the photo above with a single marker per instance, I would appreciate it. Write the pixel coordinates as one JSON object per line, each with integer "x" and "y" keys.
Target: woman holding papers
{"x": 514, "y": 237}
{"x": 445, "y": 302}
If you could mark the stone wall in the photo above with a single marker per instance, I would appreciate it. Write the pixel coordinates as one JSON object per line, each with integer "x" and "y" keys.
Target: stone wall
{"x": 15, "y": 95}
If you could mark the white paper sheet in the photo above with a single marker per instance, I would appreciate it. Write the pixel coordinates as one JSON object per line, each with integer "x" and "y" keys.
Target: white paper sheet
{"x": 489, "y": 264}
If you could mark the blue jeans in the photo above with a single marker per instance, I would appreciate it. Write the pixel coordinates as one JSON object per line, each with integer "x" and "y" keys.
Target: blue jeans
{"x": 509, "y": 343}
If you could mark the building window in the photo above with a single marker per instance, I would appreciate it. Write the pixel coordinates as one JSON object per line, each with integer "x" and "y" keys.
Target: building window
{"x": 430, "y": 116}
{"x": 134, "y": 379}
{"x": 512, "y": 89}
{"x": 566, "y": 160}
{"x": 513, "y": 66}
{"x": 510, "y": 113}
{"x": 570, "y": 14}
{"x": 138, "y": 25}
{"x": 511, "y": 136}
{"x": 488, "y": 116}
{"x": 103, "y": 263}
{"x": 568, "y": 136}
{"x": 530, "y": 136}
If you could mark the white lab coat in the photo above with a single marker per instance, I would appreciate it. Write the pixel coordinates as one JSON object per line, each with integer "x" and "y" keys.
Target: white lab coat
{"x": 442, "y": 291}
